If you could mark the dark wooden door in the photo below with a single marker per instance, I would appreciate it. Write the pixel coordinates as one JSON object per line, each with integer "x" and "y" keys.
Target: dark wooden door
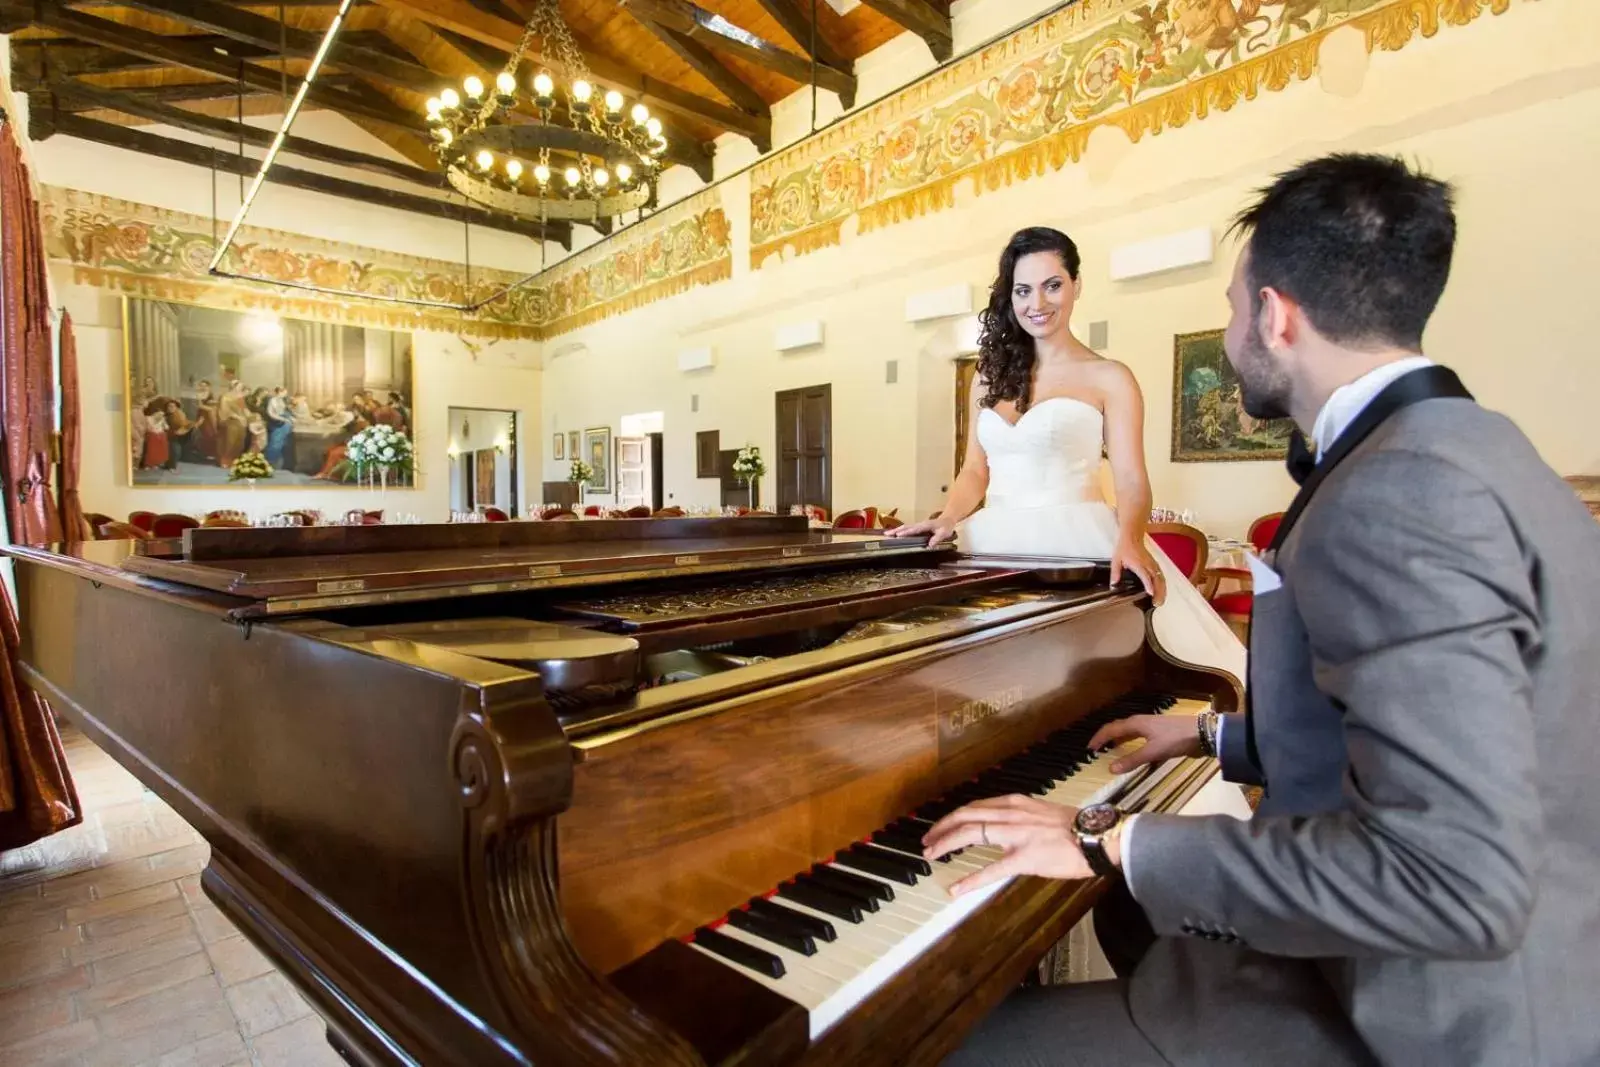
{"x": 805, "y": 442}
{"x": 966, "y": 372}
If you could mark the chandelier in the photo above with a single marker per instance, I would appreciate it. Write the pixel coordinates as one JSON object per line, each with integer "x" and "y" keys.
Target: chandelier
{"x": 576, "y": 157}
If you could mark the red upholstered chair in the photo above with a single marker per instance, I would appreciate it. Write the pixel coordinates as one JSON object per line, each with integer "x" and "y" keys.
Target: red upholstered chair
{"x": 639, "y": 511}
{"x": 553, "y": 514}
{"x": 122, "y": 531}
{"x": 1234, "y": 604}
{"x": 1263, "y": 530}
{"x": 593, "y": 511}
{"x": 144, "y": 520}
{"x": 96, "y": 520}
{"x": 1184, "y": 545}
{"x": 172, "y": 525}
{"x": 851, "y": 520}
{"x": 495, "y": 515}
{"x": 673, "y": 512}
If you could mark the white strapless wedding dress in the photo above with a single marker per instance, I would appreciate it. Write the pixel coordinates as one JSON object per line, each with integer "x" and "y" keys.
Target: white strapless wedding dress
{"x": 1044, "y": 500}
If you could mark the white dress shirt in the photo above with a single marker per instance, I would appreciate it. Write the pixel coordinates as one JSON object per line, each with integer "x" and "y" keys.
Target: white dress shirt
{"x": 1338, "y": 412}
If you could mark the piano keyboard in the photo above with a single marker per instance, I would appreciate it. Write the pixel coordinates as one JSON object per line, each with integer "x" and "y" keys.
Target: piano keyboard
{"x": 831, "y": 936}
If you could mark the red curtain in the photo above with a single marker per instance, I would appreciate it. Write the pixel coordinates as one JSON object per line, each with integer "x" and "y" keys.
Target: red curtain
{"x": 72, "y": 521}
{"x": 37, "y": 796}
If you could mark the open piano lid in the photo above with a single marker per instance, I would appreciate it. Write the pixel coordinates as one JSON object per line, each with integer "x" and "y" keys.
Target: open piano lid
{"x": 285, "y": 570}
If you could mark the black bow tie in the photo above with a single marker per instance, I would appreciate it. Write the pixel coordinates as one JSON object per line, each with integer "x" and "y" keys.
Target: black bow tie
{"x": 1301, "y": 460}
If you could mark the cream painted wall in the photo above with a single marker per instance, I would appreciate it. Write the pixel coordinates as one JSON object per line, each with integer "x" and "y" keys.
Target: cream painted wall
{"x": 504, "y": 374}
{"x": 1517, "y": 320}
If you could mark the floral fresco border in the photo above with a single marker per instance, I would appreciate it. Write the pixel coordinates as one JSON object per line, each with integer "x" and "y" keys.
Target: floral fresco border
{"x": 1027, "y": 104}
{"x": 162, "y": 254}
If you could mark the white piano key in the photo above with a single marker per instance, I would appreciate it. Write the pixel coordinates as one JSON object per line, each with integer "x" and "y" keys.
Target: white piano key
{"x": 808, "y": 998}
{"x": 820, "y": 972}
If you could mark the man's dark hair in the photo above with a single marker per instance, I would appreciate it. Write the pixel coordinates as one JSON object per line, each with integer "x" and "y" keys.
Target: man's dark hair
{"x": 1361, "y": 242}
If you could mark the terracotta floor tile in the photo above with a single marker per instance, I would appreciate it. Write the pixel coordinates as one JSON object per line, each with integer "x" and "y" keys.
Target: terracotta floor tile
{"x": 103, "y": 996}
{"x": 266, "y": 1003}
{"x": 37, "y": 996}
{"x": 212, "y": 924}
{"x": 53, "y": 1048}
{"x": 237, "y": 960}
{"x": 158, "y": 954}
{"x": 223, "y": 1049}
{"x": 156, "y": 1041}
{"x": 29, "y": 902}
{"x": 135, "y": 918}
{"x": 161, "y": 1007}
{"x": 189, "y": 886}
{"x": 167, "y": 929}
{"x": 47, "y": 1015}
{"x": 27, "y": 929}
{"x": 303, "y": 1043}
{"x": 122, "y": 902}
{"x": 29, "y": 962}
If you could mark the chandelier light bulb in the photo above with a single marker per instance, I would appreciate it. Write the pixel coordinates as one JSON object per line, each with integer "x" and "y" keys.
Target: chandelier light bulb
{"x": 640, "y": 114}
{"x": 543, "y": 84}
{"x": 485, "y": 159}
{"x": 541, "y": 174}
{"x": 653, "y": 126}
{"x": 505, "y": 82}
{"x": 601, "y": 178}
{"x": 573, "y": 176}
{"x": 514, "y": 169}
{"x": 581, "y": 91}
{"x": 450, "y": 99}
{"x": 624, "y": 172}
{"x": 473, "y": 85}
{"x": 433, "y": 107}
{"x": 444, "y": 135}
{"x": 614, "y": 102}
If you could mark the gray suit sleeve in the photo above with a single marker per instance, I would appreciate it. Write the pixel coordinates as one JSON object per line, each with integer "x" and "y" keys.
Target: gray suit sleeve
{"x": 1233, "y": 750}
{"x": 1419, "y": 608}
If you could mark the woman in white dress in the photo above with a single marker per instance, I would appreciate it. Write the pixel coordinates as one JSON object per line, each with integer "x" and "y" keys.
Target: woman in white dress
{"x": 1044, "y": 409}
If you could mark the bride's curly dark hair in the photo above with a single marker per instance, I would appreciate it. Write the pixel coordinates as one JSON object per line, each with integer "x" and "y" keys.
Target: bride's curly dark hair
{"x": 1005, "y": 350}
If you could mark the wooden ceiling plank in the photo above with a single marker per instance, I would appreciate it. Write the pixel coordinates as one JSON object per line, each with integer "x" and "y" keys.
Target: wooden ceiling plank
{"x": 922, "y": 19}
{"x": 714, "y": 30}
{"x": 76, "y": 96}
{"x": 708, "y": 66}
{"x": 45, "y": 123}
{"x": 241, "y": 25}
{"x": 462, "y": 18}
{"x": 174, "y": 52}
{"x": 797, "y": 24}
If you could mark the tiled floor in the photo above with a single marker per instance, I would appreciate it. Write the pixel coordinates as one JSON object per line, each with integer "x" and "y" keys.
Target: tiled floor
{"x": 110, "y": 955}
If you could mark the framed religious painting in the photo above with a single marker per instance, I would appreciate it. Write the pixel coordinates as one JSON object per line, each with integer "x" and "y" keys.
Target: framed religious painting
{"x": 597, "y": 453}
{"x": 574, "y": 444}
{"x": 206, "y": 387}
{"x": 558, "y": 446}
{"x": 1209, "y": 422}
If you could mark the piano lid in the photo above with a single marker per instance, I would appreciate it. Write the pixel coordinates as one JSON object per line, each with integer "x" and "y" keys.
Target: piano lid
{"x": 297, "y": 569}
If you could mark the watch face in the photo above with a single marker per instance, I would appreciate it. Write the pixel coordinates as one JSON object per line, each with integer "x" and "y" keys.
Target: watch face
{"x": 1097, "y": 818}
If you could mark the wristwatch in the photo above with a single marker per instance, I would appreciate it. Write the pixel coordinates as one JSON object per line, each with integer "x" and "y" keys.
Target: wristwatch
{"x": 1093, "y": 826}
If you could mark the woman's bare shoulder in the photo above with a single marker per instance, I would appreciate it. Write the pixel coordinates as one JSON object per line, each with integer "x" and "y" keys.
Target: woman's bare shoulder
{"x": 1112, "y": 377}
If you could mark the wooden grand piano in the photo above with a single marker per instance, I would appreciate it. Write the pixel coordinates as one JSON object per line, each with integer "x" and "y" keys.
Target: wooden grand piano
{"x": 613, "y": 792}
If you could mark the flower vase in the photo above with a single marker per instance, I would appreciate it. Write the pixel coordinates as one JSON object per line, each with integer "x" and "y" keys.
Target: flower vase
{"x": 750, "y": 492}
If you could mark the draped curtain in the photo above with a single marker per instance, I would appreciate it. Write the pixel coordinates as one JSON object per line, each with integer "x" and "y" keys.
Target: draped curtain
{"x": 37, "y": 796}
{"x": 73, "y": 525}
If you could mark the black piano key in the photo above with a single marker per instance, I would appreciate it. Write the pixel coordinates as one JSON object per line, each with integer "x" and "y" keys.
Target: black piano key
{"x": 796, "y": 922}
{"x": 895, "y": 866}
{"x": 1030, "y": 765}
{"x": 758, "y": 960}
{"x": 822, "y": 900}
{"x": 853, "y": 884}
{"x": 767, "y": 930}
{"x": 935, "y": 810}
{"x": 1015, "y": 783}
{"x": 900, "y": 842}
{"x": 860, "y": 897}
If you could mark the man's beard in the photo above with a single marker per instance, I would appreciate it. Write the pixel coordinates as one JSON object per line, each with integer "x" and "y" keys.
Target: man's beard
{"x": 1263, "y": 387}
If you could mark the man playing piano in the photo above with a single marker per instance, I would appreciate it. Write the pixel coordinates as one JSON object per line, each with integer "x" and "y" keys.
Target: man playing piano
{"x": 1418, "y": 884}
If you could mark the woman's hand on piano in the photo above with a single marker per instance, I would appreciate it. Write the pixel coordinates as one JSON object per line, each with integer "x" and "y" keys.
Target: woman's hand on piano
{"x": 1165, "y": 737}
{"x": 937, "y": 530}
{"x": 1036, "y": 836}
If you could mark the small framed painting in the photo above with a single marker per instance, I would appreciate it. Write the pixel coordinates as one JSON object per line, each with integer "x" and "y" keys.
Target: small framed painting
{"x": 573, "y": 444}
{"x": 558, "y": 446}
{"x": 597, "y": 453}
{"x": 1209, "y": 423}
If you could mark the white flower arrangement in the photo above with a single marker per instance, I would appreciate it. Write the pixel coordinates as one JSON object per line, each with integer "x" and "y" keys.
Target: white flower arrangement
{"x": 580, "y": 472}
{"x": 249, "y": 467}
{"x": 381, "y": 449}
{"x": 747, "y": 464}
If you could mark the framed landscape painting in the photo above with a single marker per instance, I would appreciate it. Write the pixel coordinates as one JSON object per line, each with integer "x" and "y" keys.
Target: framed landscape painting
{"x": 1209, "y": 422}
{"x": 204, "y": 386}
{"x": 597, "y": 453}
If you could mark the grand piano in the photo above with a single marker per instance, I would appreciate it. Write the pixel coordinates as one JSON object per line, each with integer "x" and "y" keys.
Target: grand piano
{"x": 611, "y": 792}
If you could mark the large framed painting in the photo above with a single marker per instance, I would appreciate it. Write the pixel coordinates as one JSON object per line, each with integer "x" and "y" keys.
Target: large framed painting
{"x": 597, "y": 453}
{"x": 204, "y": 386}
{"x": 1209, "y": 422}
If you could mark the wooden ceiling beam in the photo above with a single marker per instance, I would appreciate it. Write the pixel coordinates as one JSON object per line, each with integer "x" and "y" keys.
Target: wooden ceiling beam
{"x": 714, "y": 30}
{"x": 797, "y": 24}
{"x": 708, "y": 66}
{"x": 922, "y": 19}
{"x": 68, "y": 58}
{"x": 44, "y": 123}
{"x": 252, "y": 29}
{"x": 174, "y": 52}
{"x": 69, "y": 95}
{"x": 461, "y": 17}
